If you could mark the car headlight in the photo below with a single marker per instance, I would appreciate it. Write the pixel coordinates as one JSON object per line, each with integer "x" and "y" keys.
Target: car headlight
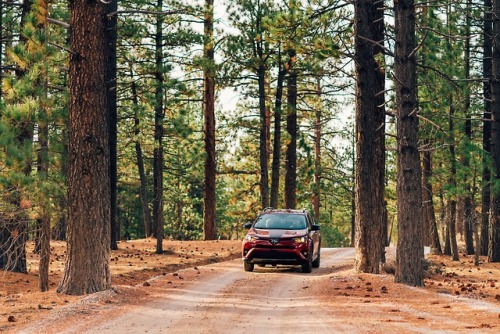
{"x": 250, "y": 238}
{"x": 300, "y": 240}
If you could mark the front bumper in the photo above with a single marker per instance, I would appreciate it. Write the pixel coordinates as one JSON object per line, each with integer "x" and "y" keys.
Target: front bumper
{"x": 282, "y": 253}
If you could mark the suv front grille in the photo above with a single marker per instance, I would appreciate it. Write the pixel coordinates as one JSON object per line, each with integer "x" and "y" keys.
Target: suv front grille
{"x": 273, "y": 255}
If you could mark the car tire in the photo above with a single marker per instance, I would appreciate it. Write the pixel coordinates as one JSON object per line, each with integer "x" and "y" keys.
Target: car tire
{"x": 307, "y": 267}
{"x": 248, "y": 266}
{"x": 315, "y": 263}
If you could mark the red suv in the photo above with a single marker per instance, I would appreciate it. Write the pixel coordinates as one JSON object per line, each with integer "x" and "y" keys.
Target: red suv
{"x": 282, "y": 237}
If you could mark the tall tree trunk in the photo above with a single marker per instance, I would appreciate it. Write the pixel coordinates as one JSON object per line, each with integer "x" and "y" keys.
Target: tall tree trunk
{"x": 494, "y": 228}
{"x": 317, "y": 151}
{"x": 370, "y": 131}
{"x": 209, "y": 225}
{"x": 453, "y": 184}
{"x": 487, "y": 73}
{"x": 275, "y": 169}
{"x": 291, "y": 149}
{"x": 88, "y": 252}
{"x": 158, "y": 147}
{"x": 146, "y": 214}
{"x": 43, "y": 170}
{"x": 111, "y": 82}
{"x": 428, "y": 205}
{"x": 410, "y": 251}
{"x": 466, "y": 200}
{"x": 447, "y": 221}
{"x": 263, "y": 138}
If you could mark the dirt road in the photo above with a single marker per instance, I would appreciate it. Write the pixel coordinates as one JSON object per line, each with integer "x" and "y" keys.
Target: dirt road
{"x": 222, "y": 298}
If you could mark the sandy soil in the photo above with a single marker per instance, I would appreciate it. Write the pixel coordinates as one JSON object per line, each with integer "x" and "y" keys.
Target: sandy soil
{"x": 132, "y": 265}
{"x": 222, "y": 298}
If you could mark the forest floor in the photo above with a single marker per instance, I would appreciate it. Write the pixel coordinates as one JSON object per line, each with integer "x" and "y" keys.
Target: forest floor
{"x": 136, "y": 263}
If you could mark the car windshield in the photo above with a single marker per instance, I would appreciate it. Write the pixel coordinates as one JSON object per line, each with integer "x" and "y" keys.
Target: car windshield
{"x": 281, "y": 221}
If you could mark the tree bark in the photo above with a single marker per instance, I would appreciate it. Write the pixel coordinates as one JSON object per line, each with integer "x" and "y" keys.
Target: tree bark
{"x": 494, "y": 227}
{"x": 275, "y": 168}
{"x": 466, "y": 199}
{"x": 43, "y": 170}
{"x": 88, "y": 252}
{"x": 486, "y": 177}
{"x": 111, "y": 81}
{"x": 263, "y": 138}
{"x": 410, "y": 251}
{"x": 317, "y": 152}
{"x": 370, "y": 131}
{"x": 291, "y": 150}
{"x": 158, "y": 147}
{"x": 209, "y": 224}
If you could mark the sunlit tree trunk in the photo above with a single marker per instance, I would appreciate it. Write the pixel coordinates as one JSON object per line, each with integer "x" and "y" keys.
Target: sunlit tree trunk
{"x": 88, "y": 247}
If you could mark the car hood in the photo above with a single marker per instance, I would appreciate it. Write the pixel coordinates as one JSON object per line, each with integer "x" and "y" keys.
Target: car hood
{"x": 272, "y": 233}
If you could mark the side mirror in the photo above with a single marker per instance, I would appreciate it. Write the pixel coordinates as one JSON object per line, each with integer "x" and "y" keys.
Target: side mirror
{"x": 247, "y": 225}
{"x": 315, "y": 227}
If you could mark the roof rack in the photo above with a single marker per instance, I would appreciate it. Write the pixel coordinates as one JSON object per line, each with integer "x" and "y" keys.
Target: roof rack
{"x": 269, "y": 208}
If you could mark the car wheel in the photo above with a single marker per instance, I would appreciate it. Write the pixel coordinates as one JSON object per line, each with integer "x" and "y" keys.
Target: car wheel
{"x": 315, "y": 263}
{"x": 307, "y": 267}
{"x": 248, "y": 266}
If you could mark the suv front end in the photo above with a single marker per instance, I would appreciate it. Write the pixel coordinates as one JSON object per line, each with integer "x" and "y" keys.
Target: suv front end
{"x": 282, "y": 237}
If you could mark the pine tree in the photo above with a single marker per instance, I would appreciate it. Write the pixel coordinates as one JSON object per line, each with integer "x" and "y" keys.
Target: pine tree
{"x": 370, "y": 132}
{"x": 87, "y": 264}
{"x": 409, "y": 257}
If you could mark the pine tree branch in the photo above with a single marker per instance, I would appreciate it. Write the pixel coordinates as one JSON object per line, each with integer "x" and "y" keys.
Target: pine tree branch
{"x": 386, "y": 50}
{"x": 419, "y": 46}
{"x": 151, "y": 12}
{"x": 59, "y": 23}
{"x": 444, "y": 75}
{"x": 62, "y": 48}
